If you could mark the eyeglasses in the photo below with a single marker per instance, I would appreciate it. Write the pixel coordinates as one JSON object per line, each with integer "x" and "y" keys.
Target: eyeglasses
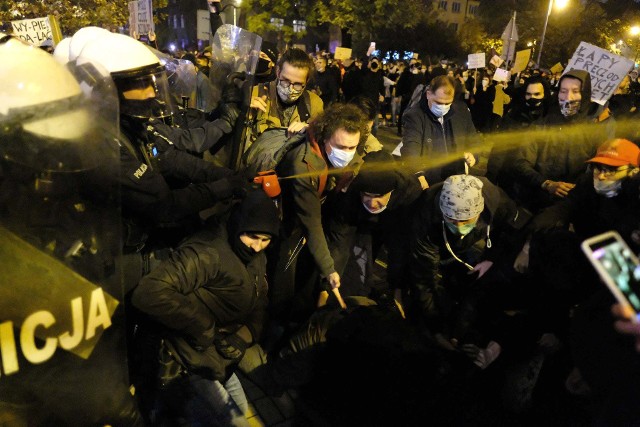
{"x": 296, "y": 86}
{"x": 606, "y": 171}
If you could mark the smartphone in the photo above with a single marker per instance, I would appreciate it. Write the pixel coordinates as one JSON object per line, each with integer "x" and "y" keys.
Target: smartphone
{"x": 618, "y": 268}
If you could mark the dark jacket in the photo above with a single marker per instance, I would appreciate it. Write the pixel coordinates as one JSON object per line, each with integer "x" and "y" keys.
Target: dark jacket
{"x": 326, "y": 84}
{"x": 496, "y": 226}
{"x": 372, "y": 85}
{"x": 592, "y": 214}
{"x": 559, "y": 153}
{"x": 303, "y": 196}
{"x": 347, "y": 216}
{"x": 201, "y": 287}
{"x": 427, "y": 139}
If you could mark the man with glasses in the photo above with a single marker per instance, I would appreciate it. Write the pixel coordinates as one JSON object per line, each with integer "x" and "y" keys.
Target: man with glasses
{"x": 285, "y": 102}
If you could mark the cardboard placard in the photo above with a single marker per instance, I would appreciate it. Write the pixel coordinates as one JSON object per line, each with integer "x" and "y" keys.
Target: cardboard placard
{"x": 34, "y": 31}
{"x": 606, "y": 69}
{"x": 522, "y": 60}
{"x": 203, "y": 25}
{"x": 342, "y": 53}
{"x": 496, "y": 61}
{"x": 501, "y": 75}
{"x": 476, "y": 60}
{"x": 141, "y": 17}
{"x": 557, "y": 68}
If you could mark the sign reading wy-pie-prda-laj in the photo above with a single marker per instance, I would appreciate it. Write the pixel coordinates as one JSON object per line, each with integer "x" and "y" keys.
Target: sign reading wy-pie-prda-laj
{"x": 606, "y": 69}
{"x": 33, "y": 31}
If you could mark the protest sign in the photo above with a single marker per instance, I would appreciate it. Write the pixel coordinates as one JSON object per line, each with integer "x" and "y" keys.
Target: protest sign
{"x": 203, "y": 26}
{"x": 496, "y": 61}
{"x": 415, "y": 55}
{"x": 606, "y": 69}
{"x": 476, "y": 60}
{"x": 501, "y": 75}
{"x": 522, "y": 59}
{"x": 557, "y": 68}
{"x": 33, "y": 31}
{"x": 140, "y": 17}
{"x": 342, "y": 53}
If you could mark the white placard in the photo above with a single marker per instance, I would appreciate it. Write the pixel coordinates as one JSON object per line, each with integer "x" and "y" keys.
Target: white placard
{"x": 140, "y": 17}
{"x": 501, "y": 75}
{"x": 203, "y": 26}
{"x": 33, "y": 31}
{"x": 606, "y": 69}
{"x": 476, "y": 60}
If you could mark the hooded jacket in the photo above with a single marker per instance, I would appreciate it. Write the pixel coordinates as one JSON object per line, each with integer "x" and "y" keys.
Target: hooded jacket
{"x": 426, "y": 138}
{"x": 559, "y": 153}
{"x": 501, "y": 218}
{"x": 204, "y": 285}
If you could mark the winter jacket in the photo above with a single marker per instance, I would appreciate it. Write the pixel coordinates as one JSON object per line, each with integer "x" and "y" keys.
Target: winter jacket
{"x": 498, "y": 224}
{"x": 426, "y": 138}
{"x": 274, "y": 118}
{"x": 303, "y": 196}
{"x": 559, "y": 153}
{"x": 201, "y": 287}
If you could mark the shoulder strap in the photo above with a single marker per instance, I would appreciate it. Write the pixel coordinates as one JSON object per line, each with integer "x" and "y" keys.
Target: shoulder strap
{"x": 304, "y": 107}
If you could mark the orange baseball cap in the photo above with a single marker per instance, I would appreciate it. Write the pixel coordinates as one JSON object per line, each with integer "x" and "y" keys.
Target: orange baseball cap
{"x": 617, "y": 152}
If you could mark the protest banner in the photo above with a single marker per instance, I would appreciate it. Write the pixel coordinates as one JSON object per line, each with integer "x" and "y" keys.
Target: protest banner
{"x": 140, "y": 17}
{"x": 522, "y": 59}
{"x": 557, "y": 68}
{"x": 342, "y": 53}
{"x": 606, "y": 69}
{"x": 476, "y": 60}
{"x": 496, "y": 61}
{"x": 38, "y": 31}
{"x": 501, "y": 75}
{"x": 203, "y": 25}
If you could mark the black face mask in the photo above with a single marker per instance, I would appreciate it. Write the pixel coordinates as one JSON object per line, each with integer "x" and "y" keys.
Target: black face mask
{"x": 374, "y": 66}
{"x": 244, "y": 252}
{"x": 533, "y": 103}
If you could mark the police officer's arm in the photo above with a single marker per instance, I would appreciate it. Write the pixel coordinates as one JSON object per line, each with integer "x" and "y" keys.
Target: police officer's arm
{"x": 188, "y": 168}
{"x": 173, "y": 293}
{"x": 197, "y": 140}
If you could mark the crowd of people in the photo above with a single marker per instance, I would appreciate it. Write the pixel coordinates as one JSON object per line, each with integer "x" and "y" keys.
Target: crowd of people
{"x": 446, "y": 276}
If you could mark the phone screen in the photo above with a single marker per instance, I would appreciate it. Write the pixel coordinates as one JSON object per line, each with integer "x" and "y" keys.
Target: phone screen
{"x": 617, "y": 260}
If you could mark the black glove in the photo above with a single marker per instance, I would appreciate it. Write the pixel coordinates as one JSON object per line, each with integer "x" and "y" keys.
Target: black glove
{"x": 234, "y": 185}
{"x": 229, "y": 113}
{"x": 231, "y": 93}
{"x": 231, "y": 346}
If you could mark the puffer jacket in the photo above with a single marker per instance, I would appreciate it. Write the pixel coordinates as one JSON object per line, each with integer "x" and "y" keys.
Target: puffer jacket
{"x": 201, "y": 287}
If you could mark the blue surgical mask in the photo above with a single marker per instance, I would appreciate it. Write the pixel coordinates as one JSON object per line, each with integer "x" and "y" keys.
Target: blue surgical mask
{"x": 607, "y": 188}
{"x": 439, "y": 110}
{"x": 340, "y": 158}
{"x": 460, "y": 230}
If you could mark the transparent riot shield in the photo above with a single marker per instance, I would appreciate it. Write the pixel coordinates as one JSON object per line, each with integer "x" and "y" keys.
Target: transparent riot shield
{"x": 234, "y": 55}
{"x": 182, "y": 76}
{"x": 62, "y": 329}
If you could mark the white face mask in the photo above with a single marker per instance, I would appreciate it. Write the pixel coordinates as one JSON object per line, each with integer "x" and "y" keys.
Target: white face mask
{"x": 439, "y": 110}
{"x": 485, "y": 83}
{"x": 340, "y": 158}
{"x": 374, "y": 211}
{"x": 607, "y": 188}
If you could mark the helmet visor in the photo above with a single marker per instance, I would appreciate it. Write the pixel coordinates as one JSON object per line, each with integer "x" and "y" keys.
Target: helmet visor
{"x": 145, "y": 96}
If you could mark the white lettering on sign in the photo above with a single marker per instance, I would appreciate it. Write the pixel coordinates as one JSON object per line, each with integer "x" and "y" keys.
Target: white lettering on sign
{"x": 97, "y": 316}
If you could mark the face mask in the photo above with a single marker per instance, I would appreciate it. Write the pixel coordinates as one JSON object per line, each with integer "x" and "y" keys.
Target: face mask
{"x": 607, "y": 188}
{"x": 340, "y": 158}
{"x": 569, "y": 108}
{"x": 461, "y": 230}
{"x": 288, "y": 94}
{"x": 374, "y": 66}
{"x": 465, "y": 78}
{"x": 374, "y": 211}
{"x": 485, "y": 83}
{"x": 415, "y": 71}
{"x": 533, "y": 103}
{"x": 244, "y": 252}
{"x": 439, "y": 110}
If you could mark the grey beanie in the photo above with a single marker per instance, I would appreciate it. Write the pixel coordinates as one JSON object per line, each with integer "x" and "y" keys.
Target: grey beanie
{"x": 461, "y": 197}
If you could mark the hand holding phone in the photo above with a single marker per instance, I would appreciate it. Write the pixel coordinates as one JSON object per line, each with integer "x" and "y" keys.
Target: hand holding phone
{"x": 618, "y": 268}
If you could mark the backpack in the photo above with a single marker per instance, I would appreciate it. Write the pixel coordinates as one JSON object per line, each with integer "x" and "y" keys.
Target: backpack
{"x": 268, "y": 150}
{"x": 416, "y": 95}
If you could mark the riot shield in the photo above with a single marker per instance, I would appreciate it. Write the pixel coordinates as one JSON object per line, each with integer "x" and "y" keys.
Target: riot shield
{"x": 234, "y": 54}
{"x": 182, "y": 77}
{"x": 62, "y": 330}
